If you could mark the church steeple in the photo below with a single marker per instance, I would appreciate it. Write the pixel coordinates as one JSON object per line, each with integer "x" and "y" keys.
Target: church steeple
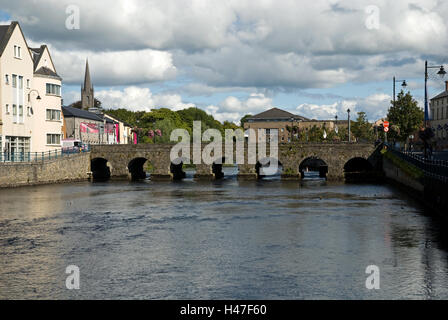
{"x": 87, "y": 93}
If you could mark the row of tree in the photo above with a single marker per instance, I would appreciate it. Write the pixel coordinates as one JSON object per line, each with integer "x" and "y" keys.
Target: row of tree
{"x": 163, "y": 121}
{"x": 404, "y": 116}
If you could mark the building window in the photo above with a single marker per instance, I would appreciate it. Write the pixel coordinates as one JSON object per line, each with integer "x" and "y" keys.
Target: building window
{"x": 17, "y": 144}
{"x": 7, "y": 109}
{"x": 14, "y": 81}
{"x": 53, "y": 115}
{"x": 28, "y": 83}
{"x": 6, "y": 79}
{"x": 53, "y": 139}
{"x": 14, "y": 110}
{"x": 53, "y": 89}
{"x": 17, "y": 52}
{"x": 20, "y": 114}
{"x": 20, "y": 82}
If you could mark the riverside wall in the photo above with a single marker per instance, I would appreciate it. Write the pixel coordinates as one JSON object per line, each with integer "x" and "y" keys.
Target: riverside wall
{"x": 70, "y": 168}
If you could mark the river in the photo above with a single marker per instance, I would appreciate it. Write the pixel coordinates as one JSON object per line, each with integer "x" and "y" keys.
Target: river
{"x": 226, "y": 239}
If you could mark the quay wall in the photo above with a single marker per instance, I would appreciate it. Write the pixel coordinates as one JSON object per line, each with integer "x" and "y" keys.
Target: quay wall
{"x": 432, "y": 192}
{"x": 70, "y": 168}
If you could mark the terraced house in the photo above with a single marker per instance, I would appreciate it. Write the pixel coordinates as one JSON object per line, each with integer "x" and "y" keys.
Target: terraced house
{"x": 30, "y": 95}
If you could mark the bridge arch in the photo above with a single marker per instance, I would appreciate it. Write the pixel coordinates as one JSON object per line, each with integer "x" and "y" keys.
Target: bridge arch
{"x": 100, "y": 168}
{"x": 136, "y": 168}
{"x": 217, "y": 168}
{"x": 313, "y": 164}
{"x": 176, "y": 168}
{"x": 357, "y": 164}
{"x": 263, "y": 167}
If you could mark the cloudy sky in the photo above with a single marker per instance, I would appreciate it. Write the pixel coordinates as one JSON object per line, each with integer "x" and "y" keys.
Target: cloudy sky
{"x": 233, "y": 57}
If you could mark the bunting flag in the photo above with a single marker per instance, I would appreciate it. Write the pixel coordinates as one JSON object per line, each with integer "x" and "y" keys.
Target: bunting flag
{"x": 336, "y": 129}
{"x": 110, "y": 129}
{"x": 439, "y": 127}
{"x": 88, "y": 127}
{"x": 325, "y": 134}
{"x": 446, "y": 126}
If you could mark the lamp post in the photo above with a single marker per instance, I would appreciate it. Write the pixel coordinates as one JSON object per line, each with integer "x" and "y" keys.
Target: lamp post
{"x": 441, "y": 74}
{"x": 38, "y": 95}
{"x": 404, "y": 85}
{"x": 349, "y": 138}
{"x": 37, "y": 98}
{"x": 292, "y": 129}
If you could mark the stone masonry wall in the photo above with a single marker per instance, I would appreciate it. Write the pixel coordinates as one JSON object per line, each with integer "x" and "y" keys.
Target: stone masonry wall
{"x": 289, "y": 155}
{"x": 70, "y": 168}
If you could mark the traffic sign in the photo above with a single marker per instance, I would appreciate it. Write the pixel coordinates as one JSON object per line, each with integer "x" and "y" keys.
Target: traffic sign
{"x": 386, "y": 124}
{"x": 386, "y": 129}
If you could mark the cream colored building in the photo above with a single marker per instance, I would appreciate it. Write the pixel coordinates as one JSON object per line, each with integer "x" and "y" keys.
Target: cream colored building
{"x": 30, "y": 95}
{"x": 281, "y": 121}
{"x": 124, "y": 131}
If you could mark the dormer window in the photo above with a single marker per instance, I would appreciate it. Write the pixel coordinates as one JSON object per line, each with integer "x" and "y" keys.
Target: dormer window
{"x": 6, "y": 79}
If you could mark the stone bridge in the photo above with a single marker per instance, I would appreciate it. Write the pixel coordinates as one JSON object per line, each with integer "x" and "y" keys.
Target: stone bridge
{"x": 332, "y": 160}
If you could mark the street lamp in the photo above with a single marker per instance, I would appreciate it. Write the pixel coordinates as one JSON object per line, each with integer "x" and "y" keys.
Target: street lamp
{"x": 404, "y": 85}
{"x": 29, "y": 99}
{"x": 441, "y": 74}
{"x": 349, "y": 138}
{"x": 292, "y": 128}
{"x": 38, "y": 96}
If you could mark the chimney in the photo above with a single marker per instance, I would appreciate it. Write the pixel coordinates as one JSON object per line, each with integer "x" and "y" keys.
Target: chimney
{"x": 446, "y": 85}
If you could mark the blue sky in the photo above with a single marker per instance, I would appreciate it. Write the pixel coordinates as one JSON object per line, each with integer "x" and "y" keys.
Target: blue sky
{"x": 237, "y": 57}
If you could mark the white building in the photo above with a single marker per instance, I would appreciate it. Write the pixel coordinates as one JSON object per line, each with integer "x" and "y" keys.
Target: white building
{"x": 30, "y": 95}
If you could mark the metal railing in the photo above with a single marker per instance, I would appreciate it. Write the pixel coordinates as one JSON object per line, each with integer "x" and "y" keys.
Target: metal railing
{"x": 41, "y": 156}
{"x": 431, "y": 167}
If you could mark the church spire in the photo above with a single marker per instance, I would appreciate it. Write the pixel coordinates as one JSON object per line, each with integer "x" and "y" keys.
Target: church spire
{"x": 87, "y": 96}
{"x": 87, "y": 82}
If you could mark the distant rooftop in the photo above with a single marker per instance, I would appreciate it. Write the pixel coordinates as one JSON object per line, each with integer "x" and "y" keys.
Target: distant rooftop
{"x": 71, "y": 112}
{"x": 276, "y": 114}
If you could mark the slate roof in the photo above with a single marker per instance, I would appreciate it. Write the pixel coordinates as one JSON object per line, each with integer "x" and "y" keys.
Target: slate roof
{"x": 5, "y": 34}
{"x": 441, "y": 95}
{"x": 71, "y": 112}
{"x": 44, "y": 71}
{"x": 36, "y": 53}
{"x": 276, "y": 113}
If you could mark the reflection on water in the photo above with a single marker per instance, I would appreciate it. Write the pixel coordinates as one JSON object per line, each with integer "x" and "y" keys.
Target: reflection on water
{"x": 227, "y": 239}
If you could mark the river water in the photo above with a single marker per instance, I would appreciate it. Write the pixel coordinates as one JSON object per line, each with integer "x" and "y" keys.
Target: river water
{"x": 218, "y": 240}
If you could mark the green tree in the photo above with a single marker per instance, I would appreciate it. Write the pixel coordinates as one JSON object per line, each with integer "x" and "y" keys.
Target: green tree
{"x": 362, "y": 129}
{"x": 406, "y": 115}
{"x": 244, "y": 119}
